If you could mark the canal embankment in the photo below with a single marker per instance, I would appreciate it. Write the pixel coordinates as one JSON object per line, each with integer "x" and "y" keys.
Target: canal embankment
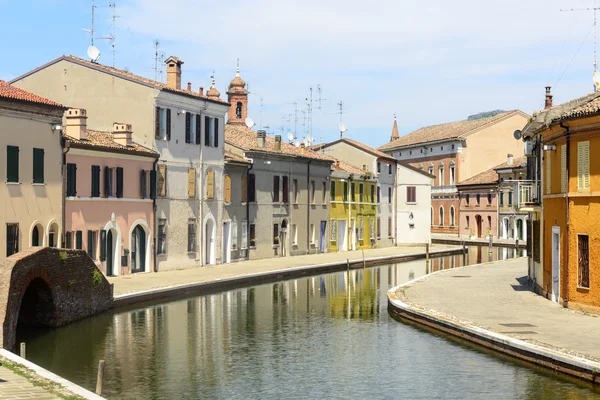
{"x": 151, "y": 287}
{"x": 460, "y": 241}
{"x": 493, "y": 306}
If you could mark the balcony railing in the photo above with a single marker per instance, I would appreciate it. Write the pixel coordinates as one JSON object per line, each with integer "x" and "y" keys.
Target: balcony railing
{"x": 527, "y": 193}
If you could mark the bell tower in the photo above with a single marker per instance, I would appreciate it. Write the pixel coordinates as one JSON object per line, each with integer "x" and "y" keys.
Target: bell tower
{"x": 237, "y": 96}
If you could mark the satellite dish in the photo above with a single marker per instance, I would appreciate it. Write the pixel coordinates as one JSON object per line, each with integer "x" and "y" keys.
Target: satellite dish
{"x": 93, "y": 53}
{"x": 596, "y": 77}
{"x": 305, "y": 141}
{"x": 309, "y": 138}
{"x": 296, "y": 143}
{"x": 342, "y": 127}
{"x": 249, "y": 122}
{"x": 517, "y": 134}
{"x": 290, "y": 136}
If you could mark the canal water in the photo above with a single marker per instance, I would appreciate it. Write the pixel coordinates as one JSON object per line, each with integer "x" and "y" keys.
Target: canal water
{"x": 327, "y": 336}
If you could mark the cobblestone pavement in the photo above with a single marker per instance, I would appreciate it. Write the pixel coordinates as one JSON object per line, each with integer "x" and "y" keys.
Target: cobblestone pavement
{"x": 142, "y": 282}
{"x": 13, "y": 386}
{"x": 496, "y": 296}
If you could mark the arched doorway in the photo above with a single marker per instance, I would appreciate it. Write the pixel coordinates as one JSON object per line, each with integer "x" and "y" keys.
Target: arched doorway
{"x": 109, "y": 253}
{"x": 283, "y": 237}
{"x": 520, "y": 229}
{"x": 478, "y": 222}
{"x": 138, "y": 249}
{"x": 209, "y": 241}
{"x": 505, "y": 228}
{"x": 53, "y": 235}
{"x": 37, "y": 236}
{"x": 37, "y": 306}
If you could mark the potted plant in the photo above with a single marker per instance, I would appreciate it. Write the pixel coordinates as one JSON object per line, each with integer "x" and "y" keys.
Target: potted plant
{"x": 488, "y": 233}
{"x": 471, "y": 234}
{"x": 124, "y": 257}
{"x": 276, "y": 241}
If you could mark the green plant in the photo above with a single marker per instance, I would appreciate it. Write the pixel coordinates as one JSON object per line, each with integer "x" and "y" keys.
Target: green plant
{"x": 471, "y": 232}
{"x": 126, "y": 251}
{"x": 96, "y": 278}
{"x": 71, "y": 283}
{"x": 487, "y": 231}
{"x": 63, "y": 255}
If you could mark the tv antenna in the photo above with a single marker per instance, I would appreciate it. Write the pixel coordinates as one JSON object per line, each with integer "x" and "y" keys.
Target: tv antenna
{"x": 91, "y": 31}
{"x": 112, "y": 36}
{"x": 341, "y": 112}
{"x": 320, "y": 91}
{"x": 158, "y": 61}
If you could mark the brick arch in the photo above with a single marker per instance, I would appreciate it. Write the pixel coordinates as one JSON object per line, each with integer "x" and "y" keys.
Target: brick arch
{"x": 75, "y": 290}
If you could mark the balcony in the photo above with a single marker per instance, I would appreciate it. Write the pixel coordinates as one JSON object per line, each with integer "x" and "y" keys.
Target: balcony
{"x": 528, "y": 195}
{"x": 449, "y": 189}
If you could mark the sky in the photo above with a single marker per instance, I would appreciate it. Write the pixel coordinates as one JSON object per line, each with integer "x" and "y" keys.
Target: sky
{"x": 425, "y": 61}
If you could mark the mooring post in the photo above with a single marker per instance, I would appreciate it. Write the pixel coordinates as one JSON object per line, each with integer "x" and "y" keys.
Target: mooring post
{"x": 22, "y": 352}
{"x": 491, "y": 241}
{"x": 427, "y": 252}
{"x": 516, "y": 248}
{"x": 464, "y": 247}
{"x": 348, "y": 263}
{"x": 364, "y": 262}
{"x": 100, "y": 378}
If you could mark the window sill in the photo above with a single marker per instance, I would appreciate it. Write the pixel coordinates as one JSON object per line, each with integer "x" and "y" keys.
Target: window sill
{"x": 13, "y": 183}
{"x": 227, "y": 203}
{"x": 38, "y": 184}
{"x": 275, "y": 246}
{"x": 412, "y": 203}
{"x": 585, "y": 289}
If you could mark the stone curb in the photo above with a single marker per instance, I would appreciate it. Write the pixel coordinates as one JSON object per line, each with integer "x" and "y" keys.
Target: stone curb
{"x": 578, "y": 367}
{"x": 70, "y": 386}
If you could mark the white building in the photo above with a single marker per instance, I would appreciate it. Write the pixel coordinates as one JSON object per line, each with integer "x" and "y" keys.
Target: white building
{"x": 413, "y": 214}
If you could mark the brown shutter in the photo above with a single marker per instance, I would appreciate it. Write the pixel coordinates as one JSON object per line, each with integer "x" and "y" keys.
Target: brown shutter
{"x": 162, "y": 180}
{"x": 191, "y": 182}
{"x": 210, "y": 184}
{"x": 244, "y": 189}
{"x": 227, "y": 189}
{"x": 157, "y": 124}
{"x": 168, "y": 124}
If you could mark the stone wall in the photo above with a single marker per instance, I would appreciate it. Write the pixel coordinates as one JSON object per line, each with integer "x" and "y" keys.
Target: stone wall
{"x": 78, "y": 289}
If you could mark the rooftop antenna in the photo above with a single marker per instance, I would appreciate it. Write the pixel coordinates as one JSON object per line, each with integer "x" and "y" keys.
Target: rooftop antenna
{"x": 341, "y": 112}
{"x": 158, "y": 60}
{"x": 320, "y": 90}
{"x": 112, "y": 36}
{"x": 261, "y": 112}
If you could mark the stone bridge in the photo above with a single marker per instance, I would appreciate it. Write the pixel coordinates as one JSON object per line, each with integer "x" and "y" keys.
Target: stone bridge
{"x": 49, "y": 287}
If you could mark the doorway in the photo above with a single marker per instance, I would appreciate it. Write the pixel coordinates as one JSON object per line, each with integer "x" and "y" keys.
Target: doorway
{"x": 283, "y": 238}
{"x": 226, "y": 241}
{"x": 555, "y": 263}
{"x": 353, "y": 234}
{"x": 35, "y": 236}
{"x": 520, "y": 229}
{"x": 138, "y": 250}
{"x": 322, "y": 237}
{"x": 209, "y": 241}
{"x": 109, "y": 253}
{"x": 478, "y": 222}
{"x": 342, "y": 235}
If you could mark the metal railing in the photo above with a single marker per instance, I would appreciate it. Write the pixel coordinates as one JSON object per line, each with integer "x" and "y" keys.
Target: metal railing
{"x": 525, "y": 193}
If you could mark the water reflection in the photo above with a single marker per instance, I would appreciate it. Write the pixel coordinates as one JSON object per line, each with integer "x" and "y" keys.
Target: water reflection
{"x": 326, "y": 336}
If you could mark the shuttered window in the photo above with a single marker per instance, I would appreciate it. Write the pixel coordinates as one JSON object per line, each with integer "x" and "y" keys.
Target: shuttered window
{"x": 38, "y": 165}
{"x": 332, "y": 190}
{"x": 68, "y": 240}
{"x": 345, "y": 194}
{"x": 162, "y": 236}
{"x": 216, "y": 132}
{"x": 191, "y": 182}
{"x": 411, "y": 194}
{"x": 12, "y": 239}
{"x": 285, "y": 189}
{"x": 12, "y": 164}
{"x": 563, "y": 169}
{"x": 157, "y": 123}
{"x": 378, "y": 227}
{"x": 389, "y": 195}
{"x": 352, "y": 191}
{"x": 188, "y": 127}
{"x": 207, "y": 131}
{"x": 161, "y": 180}
{"x": 102, "y": 245}
{"x": 143, "y": 184}
{"x": 168, "y": 124}
{"x": 191, "y": 235}
{"x": 583, "y": 166}
{"x": 276, "y": 189}
{"x": 79, "y": 240}
{"x": 153, "y": 184}
{"x": 251, "y": 188}
{"x": 548, "y": 161}
{"x": 210, "y": 184}
{"x": 91, "y": 245}
{"x": 244, "y": 189}
{"x": 378, "y": 194}
{"x": 227, "y": 189}
{"x": 361, "y": 229}
{"x": 361, "y": 193}
{"x": 198, "y": 128}
{"x": 108, "y": 182}
{"x": 71, "y": 180}
{"x": 95, "y": 181}
{"x": 244, "y": 234}
{"x": 372, "y": 194}
{"x": 295, "y": 188}
{"x": 119, "y": 182}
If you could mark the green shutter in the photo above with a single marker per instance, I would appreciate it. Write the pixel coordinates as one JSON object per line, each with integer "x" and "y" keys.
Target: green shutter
{"x": 12, "y": 164}
{"x": 153, "y": 184}
{"x": 119, "y": 182}
{"x": 78, "y": 240}
{"x": 38, "y": 165}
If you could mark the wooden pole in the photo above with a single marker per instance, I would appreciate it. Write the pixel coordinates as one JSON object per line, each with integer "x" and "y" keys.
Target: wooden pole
{"x": 23, "y": 353}
{"x": 364, "y": 262}
{"x": 427, "y": 252}
{"x": 100, "y": 378}
{"x": 491, "y": 241}
{"x": 348, "y": 264}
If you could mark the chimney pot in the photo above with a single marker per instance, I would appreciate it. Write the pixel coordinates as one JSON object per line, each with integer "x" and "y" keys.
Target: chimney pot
{"x": 76, "y": 123}
{"x": 189, "y": 86}
{"x": 548, "y": 98}
{"x": 302, "y": 148}
{"x": 278, "y": 142}
{"x": 201, "y": 91}
{"x": 174, "y": 72}
{"x": 509, "y": 159}
{"x": 261, "y": 137}
{"x": 122, "y": 134}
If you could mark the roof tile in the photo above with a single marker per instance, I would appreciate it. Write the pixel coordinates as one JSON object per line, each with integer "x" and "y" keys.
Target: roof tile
{"x": 8, "y": 91}
{"x": 104, "y": 141}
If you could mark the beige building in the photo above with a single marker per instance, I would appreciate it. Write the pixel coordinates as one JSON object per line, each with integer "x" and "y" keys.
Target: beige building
{"x": 31, "y": 200}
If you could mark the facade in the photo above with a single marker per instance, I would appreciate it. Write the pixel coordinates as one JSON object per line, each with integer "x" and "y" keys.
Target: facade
{"x": 110, "y": 187}
{"x": 235, "y": 210}
{"x": 353, "y": 208}
{"x": 478, "y": 206}
{"x": 30, "y": 171}
{"x": 514, "y": 191}
{"x": 185, "y": 127}
{"x": 455, "y": 152}
{"x": 413, "y": 199}
{"x": 380, "y": 165}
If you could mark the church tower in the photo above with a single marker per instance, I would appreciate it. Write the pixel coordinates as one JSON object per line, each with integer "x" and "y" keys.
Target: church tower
{"x": 395, "y": 135}
{"x": 237, "y": 96}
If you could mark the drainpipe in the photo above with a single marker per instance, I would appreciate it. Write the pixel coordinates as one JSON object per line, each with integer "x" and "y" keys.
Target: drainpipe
{"x": 248, "y": 211}
{"x": 154, "y": 207}
{"x": 66, "y": 146}
{"x": 349, "y": 229}
{"x": 308, "y": 207}
{"x": 566, "y": 298}
{"x": 395, "y": 194}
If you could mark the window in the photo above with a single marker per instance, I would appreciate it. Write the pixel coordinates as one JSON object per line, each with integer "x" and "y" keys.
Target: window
{"x": 12, "y": 239}
{"x": 441, "y": 216}
{"x": 378, "y": 167}
{"x": 252, "y": 235}
{"x": 285, "y": 190}
{"x": 345, "y": 194}
{"x": 12, "y": 164}
{"x": 563, "y": 169}
{"x": 332, "y": 191}
{"x": 378, "y": 194}
{"x": 333, "y": 225}
{"x": 467, "y": 221}
{"x": 390, "y": 227}
{"x": 71, "y": 180}
{"x": 490, "y": 223}
{"x": 188, "y": 128}
{"x": 53, "y": 235}
{"x": 452, "y": 173}
{"x": 275, "y": 234}
{"x": 489, "y": 196}
{"x": 216, "y": 132}
{"x": 68, "y": 240}
{"x": 352, "y": 197}
{"x": 467, "y": 199}
{"x": 238, "y": 110}
{"x": 119, "y": 182}
{"x": 510, "y": 198}
{"x": 227, "y": 189}
{"x": 244, "y": 234}
{"x": 312, "y": 233}
{"x": 371, "y": 228}
{"x": 430, "y": 170}
{"x": 411, "y": 194}
{"x": 478, "y": 198}
{"x": 451, "y": 216}
{"x": 78, "y": 240}
{"x": 583, "y": 260}
{"x": 275, "y": 189}
{"x": 548, "y": 161}
{"x": 163, "y": 124}
{"x": 389, "y": 195}
{"x": 162, "y": 236}
{"x": 295, "y": 191}
{"x": 191, "y": 247}
{"x": 38, "y": 165}
{"x": 378, "y": 227}
{"x": 191, "y": 187}
{"x": 210, "y": 184}
{"x": 95, "y": 181}
{"x": 92, "y": 237}
{"x": 108, "y": 182}
{"x": 153, "y": 184}
{"x": 324, "y": 192}
{"x": 244, "y": 188}
{"x": 361, "y": 193}
{"x": 207, "y": 131}
{"x": 294, "y": 234}
{"x": 198, "y": 131}
{"x": 390, "y": 169}
{"x": 441, "y": 175}
{"x": 583, "y": 166}
{"x": 372, "y": 199}
{"x": 102, "y": 244}
{"x": 361, "y": 233}
{"x": 312, "y": 192}
{"x": 501, "y": 199}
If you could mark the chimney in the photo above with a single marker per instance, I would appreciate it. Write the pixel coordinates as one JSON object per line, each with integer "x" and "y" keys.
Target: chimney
{"x": 76, "y": 125}
{"x": 122, "y": 134}
{"x": 174, "y": 72}
{"x": 201, "y": 91}
{"x": 337, "y": 163}
{"x": 509, "y": 159}
{"x": 364, "y": 168}
{"x": 548, "y": 98}
{"x": 261, "y": 137}
{"x": 278, "y": 142}
{"x": 189, "y": 86}
{"x": 302, "y": 147}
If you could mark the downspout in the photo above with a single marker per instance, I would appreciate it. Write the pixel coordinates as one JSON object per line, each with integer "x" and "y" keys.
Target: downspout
{"x": 309, "y": 204}
{"x": 154, "y": 207}
{"x": 566, "y": 298}
{"x": 66, "y": 146}
{"x": 248, "y": 212}
{"x": 349, "y": 229}
{"x": 395, "y": 194}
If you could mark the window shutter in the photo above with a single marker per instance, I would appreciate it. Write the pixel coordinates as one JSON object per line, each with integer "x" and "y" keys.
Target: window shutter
{"x": 332, "y": 189}
{"x": 378, "y": 227}
{"x": 143, "y": 184}
{"x": 198, "y": 128}
{"x": 102, "y": 245}
{"x": 188, "y": 127}
{"x": 583, "y": 166}
{"x": 216, "y": 132}
{"x": 372, "y": 193}
{"x": 244, "y": 188}
{"x": 119, "y": 182}
{"x": 563, "y": 169}
{"x": 157, "y": 124}
{"x": 90, "y": 243}
{"x": 78, "y": 240}
{"x": 68, "y": 240}
{"x": 95, "y": 181}
{"x": 71, "y": 180}
{"x": 153, "y": 184}
{"x": 275, "y": 193}
{"x": 168, "y": 124}
{"x": 162, "y": 180}
{"x": 548, "y": 170}
{"x": 191, "y": 182}
{"x": 107, "y": 182}
{"x": 251, "y": 188}
{"x": 210, "y": 184}
{"x": 285, "y": 190}
{"x": 38, "y": 165}
{"x": 227, "y": 189}
{"x": 207, "y": 131}
{"x": 244, "y": 234}
{"x": 12, "y": 164}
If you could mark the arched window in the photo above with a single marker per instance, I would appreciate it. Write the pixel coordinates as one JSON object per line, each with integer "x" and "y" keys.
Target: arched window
{"x": 467, "y": 221}
{"x": 441, "y": 216}
{"x": 451, "y": 216}
{"x": 238, "y": 110}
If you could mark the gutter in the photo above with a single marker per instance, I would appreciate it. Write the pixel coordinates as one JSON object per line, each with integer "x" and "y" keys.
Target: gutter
{"x": 154, "y": 207}
{"x": 66, "y": 146}
{"x": 566, "y": 134}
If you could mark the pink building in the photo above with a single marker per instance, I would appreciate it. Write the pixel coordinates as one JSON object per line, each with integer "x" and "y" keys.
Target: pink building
{"x": 110, "y": 187}
{"x": 478, "y": 202}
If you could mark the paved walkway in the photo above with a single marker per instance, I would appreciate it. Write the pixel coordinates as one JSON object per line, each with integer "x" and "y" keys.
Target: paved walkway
{"x": 496, "y": 297}
{"x": 143, "y": 282}
{"x": 13, "y": 386}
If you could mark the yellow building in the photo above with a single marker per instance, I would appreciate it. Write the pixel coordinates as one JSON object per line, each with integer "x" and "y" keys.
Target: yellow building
{"x": 353, "y": 208}
{"x": 570, "y": 136}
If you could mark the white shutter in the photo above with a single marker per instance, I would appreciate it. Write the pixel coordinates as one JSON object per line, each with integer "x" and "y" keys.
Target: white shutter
{"x": 234, "y": 235}
{"x": 583, "y": 166}
{"x": 547, "y": 160}
{"x": 563, "y": 169}
{"x": 244, "y": 234}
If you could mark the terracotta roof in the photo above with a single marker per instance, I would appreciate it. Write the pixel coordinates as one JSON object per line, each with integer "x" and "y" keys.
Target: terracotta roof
{"x": 357, "y": 144}
{"x": 517, "y": 162}
{"x": 8, "y": 91}
{"x": 340, "y": 166}
{"x": 491, "y": 176}
{"x": 230, "y": 157}
{"x": 450, "y": 130}
{"x": 124, "y": 74}
{"x": 395, "y": 134}
{"x": 245, "y": 138}
{"x": 103, "y": 141}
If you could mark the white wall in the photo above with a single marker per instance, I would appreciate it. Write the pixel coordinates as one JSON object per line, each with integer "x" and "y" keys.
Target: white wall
{"x": 417, "y": 229}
